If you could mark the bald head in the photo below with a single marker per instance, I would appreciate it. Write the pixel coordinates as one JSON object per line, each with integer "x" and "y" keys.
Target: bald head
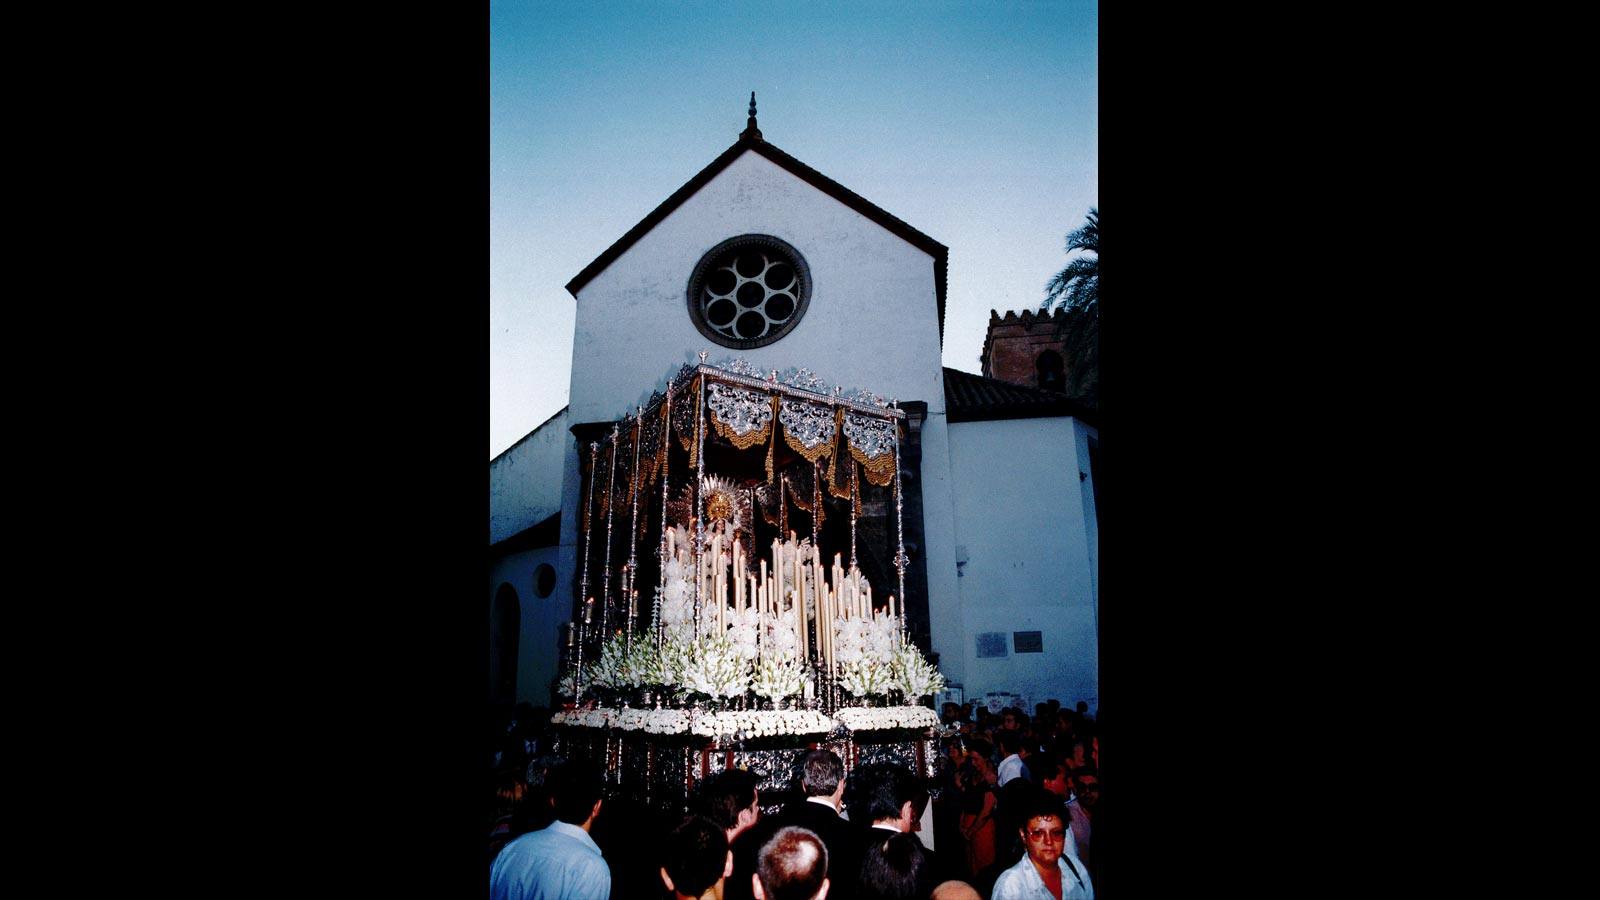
{"x": 793, "y": 866}
{"x": 954, "y": 890}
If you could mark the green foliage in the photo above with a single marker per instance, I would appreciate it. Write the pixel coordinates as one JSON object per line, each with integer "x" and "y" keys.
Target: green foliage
{"x": 1078, "y": 285}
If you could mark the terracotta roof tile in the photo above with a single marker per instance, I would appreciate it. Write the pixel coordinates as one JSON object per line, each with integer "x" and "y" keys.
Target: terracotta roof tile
{"x": 974, "y": 398}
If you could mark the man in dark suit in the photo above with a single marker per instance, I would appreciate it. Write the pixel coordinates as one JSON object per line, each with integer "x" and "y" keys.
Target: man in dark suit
{"x": 886, "y": 798}
{"x": 821, "y": 777}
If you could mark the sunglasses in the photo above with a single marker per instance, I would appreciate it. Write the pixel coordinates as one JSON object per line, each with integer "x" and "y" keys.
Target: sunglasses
{"x": 1040, "y": 834}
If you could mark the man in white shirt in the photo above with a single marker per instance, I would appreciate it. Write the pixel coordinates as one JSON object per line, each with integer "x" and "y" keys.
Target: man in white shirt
{"x": 560, "y": 861}
{"x": 1012, "y": 766}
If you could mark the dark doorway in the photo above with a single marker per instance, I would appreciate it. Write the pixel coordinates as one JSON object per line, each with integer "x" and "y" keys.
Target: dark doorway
{"x": 504, "y": 631}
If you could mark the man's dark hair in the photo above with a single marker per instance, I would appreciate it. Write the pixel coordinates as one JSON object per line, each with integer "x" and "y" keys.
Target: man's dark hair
{"x": 981, "y": 747}
{"x": 1010, "y": 741}
{"x": 820, "y": 772}
{"x": 574, "y": 787}
{"x": 695, "y": 855}
{"x": 792, "y": 865}
{"x": 1082, "y": 707}
{"x": 895, "y": 869}
{"x": 1043, "y": 766}
{"x": 878, "y": 791}
{"x": 1040, "y": 803}
{"x": 722, "y": 795}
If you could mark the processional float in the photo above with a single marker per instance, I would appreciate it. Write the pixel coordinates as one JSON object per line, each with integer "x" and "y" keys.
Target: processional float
{"x": 756, "y": 639}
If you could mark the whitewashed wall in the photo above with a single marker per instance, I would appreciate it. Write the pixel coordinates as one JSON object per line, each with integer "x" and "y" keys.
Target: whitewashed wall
{"x": 539, "y": 620}
{"x": 872, "y": 320}
{"x": 872, "y": 323}
{"x": 1028, "y": 557}
{"x": 525, "y": 480}
{"x": 525, "y": 488}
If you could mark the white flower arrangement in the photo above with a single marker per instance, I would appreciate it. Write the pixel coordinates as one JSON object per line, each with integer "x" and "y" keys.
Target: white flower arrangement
{"x": 681, "y": 537}
{"x": 666, "y": 667}
{"x": 872, "y": 719}
{"x": 620, "y": 665}
{"x": 866, "y": 650}
{"x": 569, "y": 686}
{"x": 849, "y": 640}
{"x": 754, "y": 723}
{"x": 780, "y": 638}
{"x": 598, "y": 717}
{"x": 876, "y": 637}
{"x": 785, "y": 574}
{"x": 666, "y": 721}
{"x": 717, "y": 668}
{"x": 912, "y": 674}
{"x": 864, "y": 676}
{"x": 778, "y": 677}
{"x": 742, "y": 631}
{"x": 882, "y": 636}
{"x": 677, "y": 603}
{"x": 762, "y": 723}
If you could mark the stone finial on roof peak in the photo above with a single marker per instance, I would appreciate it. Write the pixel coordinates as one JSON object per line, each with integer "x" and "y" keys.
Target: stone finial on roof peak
{"x": 750, "y": 130}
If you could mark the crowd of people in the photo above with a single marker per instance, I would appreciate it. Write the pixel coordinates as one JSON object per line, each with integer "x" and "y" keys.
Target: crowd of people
{"x": 1013, "y": 804}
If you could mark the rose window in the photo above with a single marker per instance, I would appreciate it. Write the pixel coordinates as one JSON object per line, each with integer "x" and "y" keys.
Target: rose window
{"x": 749, "y": 291}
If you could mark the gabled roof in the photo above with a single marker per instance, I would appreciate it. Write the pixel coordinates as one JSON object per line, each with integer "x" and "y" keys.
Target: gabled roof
{"x": 751, "y": 141}
{"x": 530, "y": 434}
{"x": 974, "y": 398}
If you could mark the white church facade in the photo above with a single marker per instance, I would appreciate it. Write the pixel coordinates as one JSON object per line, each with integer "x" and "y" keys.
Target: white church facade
{"x": 998, "y": 478}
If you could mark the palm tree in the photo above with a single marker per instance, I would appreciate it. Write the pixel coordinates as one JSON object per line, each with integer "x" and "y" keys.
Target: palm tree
{"x": 1076, "y": 290}
{"x": 1078, "y": 285}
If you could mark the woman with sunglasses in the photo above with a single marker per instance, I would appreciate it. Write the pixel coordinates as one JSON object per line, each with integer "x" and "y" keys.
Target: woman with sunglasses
{"x": 1044, "y": 872}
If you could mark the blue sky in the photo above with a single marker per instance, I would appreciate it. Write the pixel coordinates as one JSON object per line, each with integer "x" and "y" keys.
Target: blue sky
{"x": 977, "y": 123}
